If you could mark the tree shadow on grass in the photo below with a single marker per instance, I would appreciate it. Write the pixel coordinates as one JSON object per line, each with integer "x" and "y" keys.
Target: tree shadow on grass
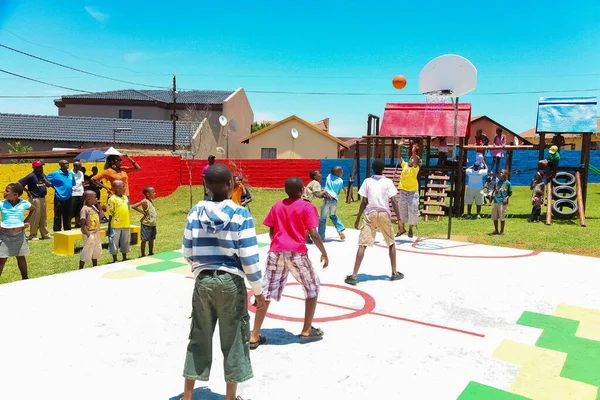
{"x": 202, "y": 393}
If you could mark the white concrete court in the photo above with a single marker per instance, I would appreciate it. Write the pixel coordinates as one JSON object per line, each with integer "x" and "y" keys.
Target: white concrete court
{"x": 118, "y": 332}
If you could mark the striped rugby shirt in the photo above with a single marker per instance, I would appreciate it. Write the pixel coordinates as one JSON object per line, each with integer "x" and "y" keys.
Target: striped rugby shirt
{"x": 221, "y": 236}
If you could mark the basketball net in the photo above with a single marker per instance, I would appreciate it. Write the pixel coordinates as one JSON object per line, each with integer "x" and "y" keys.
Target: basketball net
{"x": 435, "y": 101}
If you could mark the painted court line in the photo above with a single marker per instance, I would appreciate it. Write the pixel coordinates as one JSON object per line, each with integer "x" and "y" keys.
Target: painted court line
{"x": 430, "y": 253}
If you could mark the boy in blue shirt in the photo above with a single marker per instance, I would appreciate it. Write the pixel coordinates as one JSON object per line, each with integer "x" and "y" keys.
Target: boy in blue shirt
{"x": 501, "y": 196}
{"x": 333, "y": 185}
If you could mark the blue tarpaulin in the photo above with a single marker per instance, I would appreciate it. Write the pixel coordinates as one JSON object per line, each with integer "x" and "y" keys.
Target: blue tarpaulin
{"x": 567, "y": 115}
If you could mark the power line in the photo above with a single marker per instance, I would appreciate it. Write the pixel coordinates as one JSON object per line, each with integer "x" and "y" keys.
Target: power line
{"x": 78, "y": 70}
{"x": 44, "y": 83}
{"x": 73, "y": 55}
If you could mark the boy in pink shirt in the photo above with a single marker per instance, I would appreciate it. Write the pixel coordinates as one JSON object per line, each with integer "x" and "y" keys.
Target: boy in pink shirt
{"x": 288, "y": 220}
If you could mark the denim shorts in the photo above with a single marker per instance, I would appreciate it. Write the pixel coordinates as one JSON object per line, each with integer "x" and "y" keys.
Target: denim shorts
{"x": 219, "y": 298}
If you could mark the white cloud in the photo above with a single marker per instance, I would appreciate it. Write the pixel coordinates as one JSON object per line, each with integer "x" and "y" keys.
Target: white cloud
{"x": 97, "y": 14}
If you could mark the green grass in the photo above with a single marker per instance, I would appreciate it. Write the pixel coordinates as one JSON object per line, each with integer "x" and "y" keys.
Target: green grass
{"x": 561, "y": 236}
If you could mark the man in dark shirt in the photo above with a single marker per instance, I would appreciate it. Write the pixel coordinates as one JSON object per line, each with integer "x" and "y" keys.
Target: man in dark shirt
{"x": 35, "y": 185}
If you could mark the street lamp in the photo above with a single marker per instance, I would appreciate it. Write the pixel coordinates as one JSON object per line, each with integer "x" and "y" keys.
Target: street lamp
{"x": 119, "y": 130}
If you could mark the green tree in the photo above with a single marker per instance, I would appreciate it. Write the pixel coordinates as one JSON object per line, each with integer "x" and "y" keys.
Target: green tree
{"x": 257, "y": 126}
{"x": 17, "y": 147}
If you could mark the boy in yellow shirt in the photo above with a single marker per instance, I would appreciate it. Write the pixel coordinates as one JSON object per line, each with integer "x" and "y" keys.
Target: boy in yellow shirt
{"x": 118, "y": 212}
{"x": 409, "y": 192}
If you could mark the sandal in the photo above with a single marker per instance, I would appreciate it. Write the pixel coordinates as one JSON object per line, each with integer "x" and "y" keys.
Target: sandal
{"x": 410, "y": 234}
{"x": 315, "y": 333}
{"x": 400, "y": 233}
{"x": 261, "y": 340}
{"x": 397, "y": 276}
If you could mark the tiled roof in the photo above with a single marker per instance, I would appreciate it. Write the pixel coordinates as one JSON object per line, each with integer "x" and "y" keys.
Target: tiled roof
{"x": 165, "y": 96}
{"x": 88, "y": 129}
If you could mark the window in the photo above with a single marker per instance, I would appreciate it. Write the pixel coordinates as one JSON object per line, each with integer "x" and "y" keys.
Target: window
{"x": 125, "y": 114}
{"x": 268, "y": 153}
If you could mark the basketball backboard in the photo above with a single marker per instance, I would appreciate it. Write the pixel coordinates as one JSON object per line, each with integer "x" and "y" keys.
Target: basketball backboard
{"x": 449, "y": 74}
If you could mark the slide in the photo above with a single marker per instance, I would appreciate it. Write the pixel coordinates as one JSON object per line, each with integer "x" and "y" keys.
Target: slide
{"x": 595, "y": 170}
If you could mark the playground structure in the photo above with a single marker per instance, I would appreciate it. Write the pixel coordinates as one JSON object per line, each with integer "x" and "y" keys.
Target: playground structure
{"x": 574, "y": 115}
{"x": 444, "y": 186}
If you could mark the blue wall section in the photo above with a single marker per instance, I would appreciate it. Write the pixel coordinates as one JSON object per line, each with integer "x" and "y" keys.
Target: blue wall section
{"x": 523, "y": 168}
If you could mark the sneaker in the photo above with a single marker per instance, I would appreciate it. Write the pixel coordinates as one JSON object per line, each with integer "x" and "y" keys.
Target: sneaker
{"x": 350, "y": 280}
{"x": 47, "y": 237}
{"x": 33, "y": 238}
{"x": 342, "y": 236}
{"x": 478, "y": 216}
{"x": 468, "y": 216}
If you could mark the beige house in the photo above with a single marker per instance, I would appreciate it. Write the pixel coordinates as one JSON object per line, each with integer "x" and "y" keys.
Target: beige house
{"x": 276, "y": 141}
{"x": 192, "y": 105}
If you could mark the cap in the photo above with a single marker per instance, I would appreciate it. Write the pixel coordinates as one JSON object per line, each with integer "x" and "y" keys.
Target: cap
{"x": 211, "y": 157}
{"x": 112, "y": 152}
{"x": 37, "y": 163}
{"x": 553, "y": 149}
{"x": 477, "y": 164}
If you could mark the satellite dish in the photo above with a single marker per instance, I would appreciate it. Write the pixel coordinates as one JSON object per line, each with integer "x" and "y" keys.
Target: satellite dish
{"x": 295, "y": 133}
{"x": 223, "y": 120}
{"x": 516, "y": 141}
{"x": 220, "y": 150}
{"x": 233, "y": 125}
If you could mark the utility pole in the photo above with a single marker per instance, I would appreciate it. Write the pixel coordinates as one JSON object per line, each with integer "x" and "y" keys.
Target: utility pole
{"x": 174, "y": 115}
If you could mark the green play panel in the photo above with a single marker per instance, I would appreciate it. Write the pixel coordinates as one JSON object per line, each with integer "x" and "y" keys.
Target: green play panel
{"x": 262, "y": 245}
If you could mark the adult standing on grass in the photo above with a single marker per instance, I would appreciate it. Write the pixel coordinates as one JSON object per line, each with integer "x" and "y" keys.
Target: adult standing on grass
{"x": 62, "y": 181}
{"x": 35, "y": 185}
{"x": 114, "y": 170}
{"x": 475, "y": 175}
{"x": 13, "y": 242}
{"x": 207, "y": 192}
{"x": 77, "y": 202}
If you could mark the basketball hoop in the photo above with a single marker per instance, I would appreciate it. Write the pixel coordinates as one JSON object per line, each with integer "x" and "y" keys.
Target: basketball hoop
{"x": 435, "y": 101}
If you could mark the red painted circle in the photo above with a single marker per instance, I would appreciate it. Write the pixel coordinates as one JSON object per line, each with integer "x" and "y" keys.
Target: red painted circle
{"x": 366, "y": 309}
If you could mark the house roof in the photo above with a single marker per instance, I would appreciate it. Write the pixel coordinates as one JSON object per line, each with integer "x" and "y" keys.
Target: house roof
{"x": 300, "y": 120}
{"x": 322, "y": 124}
{"x": 90, "y": 130}
{"x": 533, "y": 133}
{"x": 505, "y": 129}
{"x": 163, "y": 96}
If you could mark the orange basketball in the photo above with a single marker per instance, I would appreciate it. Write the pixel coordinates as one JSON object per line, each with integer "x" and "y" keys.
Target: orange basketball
{"x": 399, "y": 81}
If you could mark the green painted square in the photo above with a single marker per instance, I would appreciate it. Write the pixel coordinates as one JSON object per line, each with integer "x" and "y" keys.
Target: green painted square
{"x": 169, "y": 255}
{"x": 262, "y": 245}
{"x": 477, "y": 391}
{"x": 160, "y": 266}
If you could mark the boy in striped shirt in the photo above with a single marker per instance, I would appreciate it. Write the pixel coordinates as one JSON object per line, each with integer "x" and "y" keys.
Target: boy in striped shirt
{"x": 220, "y": 244}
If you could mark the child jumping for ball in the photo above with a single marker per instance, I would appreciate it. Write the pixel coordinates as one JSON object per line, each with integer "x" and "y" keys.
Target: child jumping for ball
{"x": 288, "y": 222}
{"x": 13, "y": 241}
{"x": 333, "y": 185}
{"x": 376, "y": 192}
{"x": 118, "y": 212}
{"x": 409, "y": 192}
{"x": 220, "y": 244}
{"x": 148, "y": 221}
{"x": 501, "y": 195}
{"x": 89, "y": 218}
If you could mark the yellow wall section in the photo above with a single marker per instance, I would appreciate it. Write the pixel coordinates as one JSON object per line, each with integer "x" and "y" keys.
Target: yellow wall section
{"x": 11, "y": 173}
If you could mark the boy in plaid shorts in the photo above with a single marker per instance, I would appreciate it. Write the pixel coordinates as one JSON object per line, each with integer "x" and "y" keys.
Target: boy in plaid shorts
{"x": 288, "y": 220}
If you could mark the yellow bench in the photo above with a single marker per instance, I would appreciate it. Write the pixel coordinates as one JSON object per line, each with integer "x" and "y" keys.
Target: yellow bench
{"x": 64, "y": 242}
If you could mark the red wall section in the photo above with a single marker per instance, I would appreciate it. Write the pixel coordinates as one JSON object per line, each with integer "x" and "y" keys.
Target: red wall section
{"x": 161, "y": 172}
{"x": 257, "y": 173}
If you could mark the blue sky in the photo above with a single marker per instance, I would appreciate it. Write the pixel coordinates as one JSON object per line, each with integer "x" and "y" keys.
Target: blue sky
{"x": 325, "y": 46}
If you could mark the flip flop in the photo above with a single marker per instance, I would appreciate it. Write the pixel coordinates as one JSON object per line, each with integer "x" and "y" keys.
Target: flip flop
{"x": 261, "y": 340}
{"x": 397, "y": 276}
{"x": 315, "y": 334}
{"x": 400, "y": 233}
